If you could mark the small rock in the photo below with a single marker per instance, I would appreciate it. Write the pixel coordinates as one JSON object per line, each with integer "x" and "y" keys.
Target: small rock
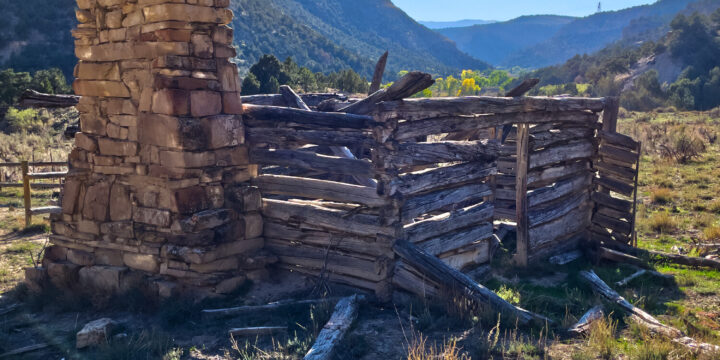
{"x": 94, "y": 333}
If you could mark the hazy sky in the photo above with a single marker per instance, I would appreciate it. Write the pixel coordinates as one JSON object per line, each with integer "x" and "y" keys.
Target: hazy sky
{"x": 449, "y": 10}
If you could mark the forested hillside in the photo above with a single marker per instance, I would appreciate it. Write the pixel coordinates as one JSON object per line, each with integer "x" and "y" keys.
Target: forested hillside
{"x": 323, "y": 35}
{"x": 495, "y": 42}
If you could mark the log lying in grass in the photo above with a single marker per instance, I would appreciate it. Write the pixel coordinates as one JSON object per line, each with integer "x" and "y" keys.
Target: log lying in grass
{"x": 346, "y": 311}
{"x": 617, "y": 256}
{"x": 583, "y": 325}
{"x": 457, "y": 283}
{"x": 248, "y": 310}
{"x": 642, "y": 272}
{"x": 672, "y": 258}
{"x": 641, "y": 317}
{"x": 257, "y": 331}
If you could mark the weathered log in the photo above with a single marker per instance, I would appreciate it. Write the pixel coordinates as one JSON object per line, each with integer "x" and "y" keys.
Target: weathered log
{"x": 617, "y": 186}
{"x": 257, "y": 331}
{"x": 546, "y": 176}
{"x": 294, "y": 101}
{"x": 566, "y": 258}
{"x": 449, "y": 222}
{"x": 457, "y": 283}
{"x": 23, "y": 350}
{"x": 318, "y": 189}
{"x": 363, "y": 225}
{"x": 379, "y": 72}
{"x": 32, "y": 98}
{"x": 642, "y": 272}
{"x": 417, "y": 109}
{"x": 523, "y": 161}
{"x": 544, "y": 214}
{"x": 457, "y": 240}
{"x": 409, "y": 279}
{"x": 469, "y": 124}
{"x": 284, "y": 137}
{"x": 414, "y": 154}
{"x": 620, "y": 257}
{"x": 613, "y": 214}
{"x": 622, "y": 156}
{"x": 252, "y": 310}
{"x": 623, "y": 173}
{"x": 311, "y": 99}
{"x": 312, "y": 119}
{"x": 644, "y": 318}
{"x": 570, "y": 223}
{"x": 427, "y": 203}
{"x": 583, "y": 325}
{"x": 672, "y": 258}
{"x": 615, "y": 225}
{"x": 318, "y": 258}
{"x": 523, "y": 88}
{"x": 574, "y": 150}
{"x": 433, "y": 179}
{"x": 410, "y": 84}
{"x": 558, "y": 190}
{"x": 346, "y": 311}
{"x": 309, "y": 161}
{"x": 325, "y": 239}
{"x": 611, "y": 202}
{"x": 619, "y": 140}
{"x": 472, "y": 255}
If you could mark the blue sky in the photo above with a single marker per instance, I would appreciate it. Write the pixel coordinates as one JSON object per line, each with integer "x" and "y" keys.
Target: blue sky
{"x": 449, "y": 10}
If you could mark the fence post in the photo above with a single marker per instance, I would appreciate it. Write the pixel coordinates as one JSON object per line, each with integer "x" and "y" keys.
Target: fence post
{"x": 521, "y": 200}
{"x": 26, "y": 192}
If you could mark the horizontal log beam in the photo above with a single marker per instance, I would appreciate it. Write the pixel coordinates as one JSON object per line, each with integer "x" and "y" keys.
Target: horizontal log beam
{"x": 622, "y": 173}
{"x": 611, "y": 202}
{"x": 457, "y": 240}
{"x": 580, "y": 149}
{"x": 449, "y": 222}
{"x": 433, "y": 179}
{"x": 619, "y": 140}
{"x": 558, "y": 190}
{"x": 570, "y": 223}
{"x": 275, "y": 114}
{"x": 544, "y": 214}
{"x": 284, "y": 137}
{"x": 617, "y": 186}
{"x": 318, "y": 189}
{"x": 427, "y": 203}
{"x": 310, "y": 161}
{"x": 416, "y": 109}
{"x": 311, "y": 99}
{"x": 325, "y": 239}
{"x": 414, "y": 154}
{"x": 363, "y": 225}
{"x": 619, "y": 155}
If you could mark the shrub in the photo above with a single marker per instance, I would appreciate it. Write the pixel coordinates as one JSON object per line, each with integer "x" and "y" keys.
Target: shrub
{"x": 26, "y": 120}
{"x": 662, "y": 223}
{"x": 715, "y": 113}
{"x": 682, "y": 147}
{"x": 661, "y": 196}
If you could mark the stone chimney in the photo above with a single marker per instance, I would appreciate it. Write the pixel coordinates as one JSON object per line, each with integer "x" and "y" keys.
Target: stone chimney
{"x": 158, "y": 194}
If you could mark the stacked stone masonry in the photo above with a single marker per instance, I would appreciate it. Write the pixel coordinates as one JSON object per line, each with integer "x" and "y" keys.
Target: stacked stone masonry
{"x": 158, "y": 192}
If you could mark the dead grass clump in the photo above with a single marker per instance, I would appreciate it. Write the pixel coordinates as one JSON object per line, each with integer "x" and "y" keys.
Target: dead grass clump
{"x": 714, "y": 113}
{"x": 661, "y": 196}
{"x": 419, "y": 349}
{"x": 662, "y": 223}
{"x": 712, "y": 234}
{"x": 601, "y": 338}
{"x": 714, "y": 207}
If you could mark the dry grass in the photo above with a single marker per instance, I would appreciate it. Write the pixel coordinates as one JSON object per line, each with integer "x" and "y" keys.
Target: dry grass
{"x": 712, "y": 234}
{"x": 419, "y": 349}
{"x": 661, "y": 196}
{"x": 662, "y": 223}
{"x": 601, "y": 338}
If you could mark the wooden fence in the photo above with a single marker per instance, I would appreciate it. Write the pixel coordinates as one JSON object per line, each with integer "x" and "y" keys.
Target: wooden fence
{"x": 27, "y": 185}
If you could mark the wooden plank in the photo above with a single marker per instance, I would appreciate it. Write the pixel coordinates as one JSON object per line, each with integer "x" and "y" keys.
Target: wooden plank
{"x": 427, "y": 203}
{"x": 363, "y": 225}
{"x": 461, "y": 124}
{"x": 325, "y": 239}
{"x": 558, "y": 190}
{"x": 623, "y": 173}
{"x": 521, "y": 197}
{"x": 433, "y": 179}
{"x": 619, "y": 140}
{"x": 575, "y": 150}
{"x": 284, "y": 137}
{"x": 208, "y": 314}
{"x": 379, "y": 71}
{"x": 37, "y": 163}
{"x": 611, "y": 111}
{"x": 311, "y": 119}
{"x": 454, "y": 241}
{"x": 611, "y": 202}
{"x": 449, "y": 222}
{"x": 35, "y": 99}
{"x": 26, "y": 193}
{"x": 311, "y": 161}
{"x": 355, "y": 282}
{"x": 612, "y": 224}
{"x": 456, "y": 284}
{"x": 612, "y": 213}
{"x": 46, "y": 210}
{"x": 471, "y": 256}
{"x": 544, "y": 214}
{"x": 583, "y": 325}
{"x": 318, "y": 189}
{"x": 414, "y": 154}
{"x": 409, "y": 279}
{"x": 550, "y": 175}
{"x": 257, "y": 331}
{"x": 417, "y": 109}
{"x": 345, "y": 313}
{"x": 48, "y": 175}
{"x": 410, "y": 84}
{"x": 620, "y": 155}
{"x": 571, "y": 223}
{"x": 611, "y": 184}
{"x": 23, "y": 350}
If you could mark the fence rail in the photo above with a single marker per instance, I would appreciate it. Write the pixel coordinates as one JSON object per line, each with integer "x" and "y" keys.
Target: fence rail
{"x": 27, "y": 186}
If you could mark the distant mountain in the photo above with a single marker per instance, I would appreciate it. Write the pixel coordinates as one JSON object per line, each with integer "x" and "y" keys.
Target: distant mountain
{"x": 452, "y": 24}
{"x": 324, "y": 35}
{"x": 592, "y": 33}
{"x": 496, "y": 42}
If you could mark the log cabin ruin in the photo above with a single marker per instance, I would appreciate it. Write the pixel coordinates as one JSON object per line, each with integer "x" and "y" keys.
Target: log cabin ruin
{"x": 180, "y": 185}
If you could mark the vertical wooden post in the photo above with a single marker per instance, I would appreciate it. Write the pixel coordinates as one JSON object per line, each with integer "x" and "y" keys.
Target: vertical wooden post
{"x": 26, "y": 192}
{"x": 521, "y": 201}
{"x": 634, "y": 210}
{"x": 610, "y": 114}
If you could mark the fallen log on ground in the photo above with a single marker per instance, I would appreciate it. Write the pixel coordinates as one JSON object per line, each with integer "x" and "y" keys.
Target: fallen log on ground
{"x": 257, "y": 331}
{"x": 459, "y": 283}
{"x": 621, "y": 257}
{"x": 642, "y": 272}
{"x": 247, "y": 310}
{"x": 346, "y": 311}
{"x": 583, "y": 325}
{"x": 23, "y": 350}
{"x": 672, "y": 258}
{"x": 641, "y": 317}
